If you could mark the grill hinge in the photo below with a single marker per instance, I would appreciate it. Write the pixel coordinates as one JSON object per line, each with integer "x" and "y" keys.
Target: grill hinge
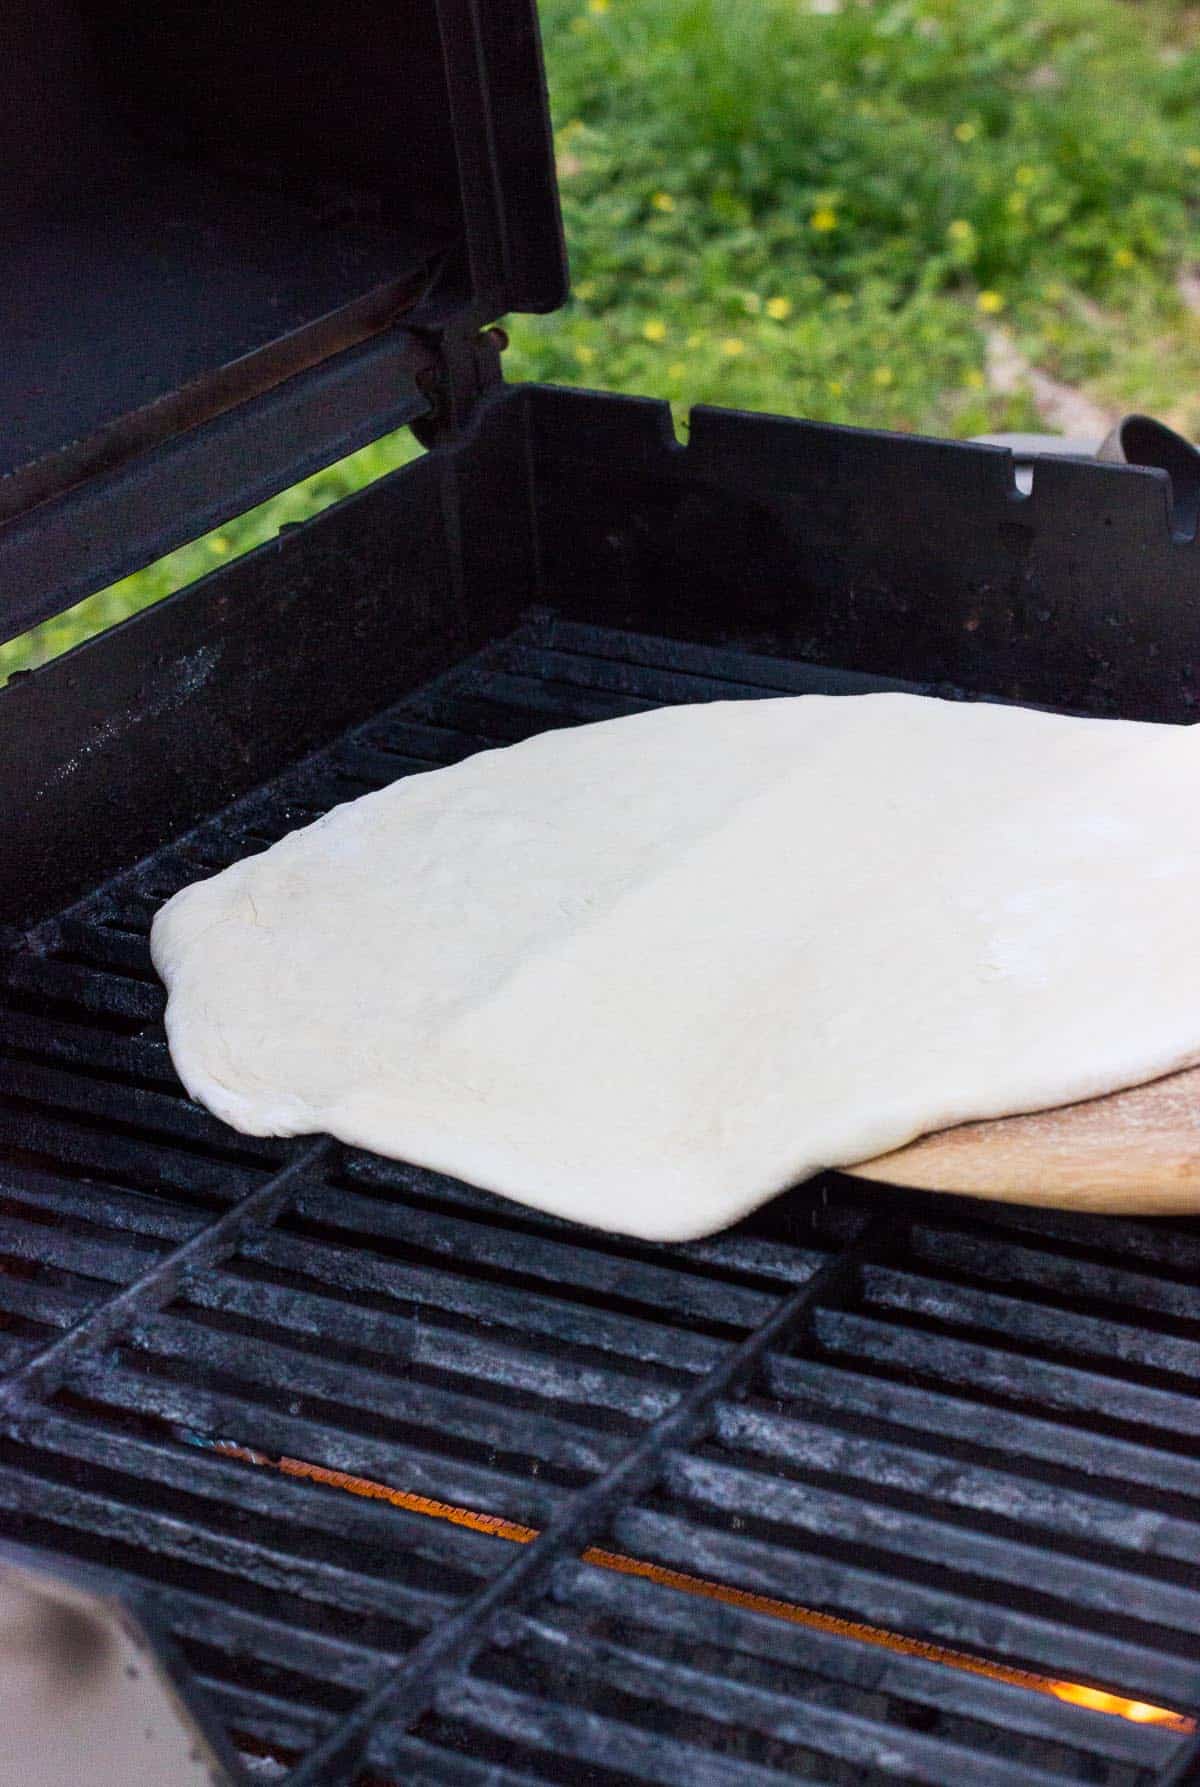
{"x": 463, "y": 366}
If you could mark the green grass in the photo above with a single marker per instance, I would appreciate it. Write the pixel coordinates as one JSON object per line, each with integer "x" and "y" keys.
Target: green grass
{"x": 820, "y": 210}
{"x": 198, "y": 557}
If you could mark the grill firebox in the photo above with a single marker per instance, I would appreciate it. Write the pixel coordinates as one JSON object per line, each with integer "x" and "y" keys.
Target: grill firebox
{"x": 968, "y": 1425}
{"x": 550, "y": 1506}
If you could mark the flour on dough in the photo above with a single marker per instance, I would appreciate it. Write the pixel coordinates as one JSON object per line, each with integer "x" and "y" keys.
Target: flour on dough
{"x": 649, "y": 972}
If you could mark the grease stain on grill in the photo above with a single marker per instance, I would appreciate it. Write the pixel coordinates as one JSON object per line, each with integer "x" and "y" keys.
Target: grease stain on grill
{"x": 185, "y": 679}
{"x": 967, "y": 1471}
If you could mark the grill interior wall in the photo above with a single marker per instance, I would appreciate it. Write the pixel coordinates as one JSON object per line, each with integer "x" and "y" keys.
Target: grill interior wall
{"x": 899, "y": 557}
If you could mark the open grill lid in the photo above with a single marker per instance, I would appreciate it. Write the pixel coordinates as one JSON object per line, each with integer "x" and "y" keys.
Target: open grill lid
{"x": 232, "y": 237}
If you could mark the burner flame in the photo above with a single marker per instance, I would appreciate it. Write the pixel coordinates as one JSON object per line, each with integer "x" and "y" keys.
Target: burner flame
{"x": 1140, "y": 1712}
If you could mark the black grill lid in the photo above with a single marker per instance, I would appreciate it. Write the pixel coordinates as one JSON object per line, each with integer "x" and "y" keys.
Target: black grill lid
{"x": 225, "y": 231}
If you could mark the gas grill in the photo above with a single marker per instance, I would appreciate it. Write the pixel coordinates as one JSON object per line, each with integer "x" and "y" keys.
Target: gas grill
{"x": 416, "y": 1485}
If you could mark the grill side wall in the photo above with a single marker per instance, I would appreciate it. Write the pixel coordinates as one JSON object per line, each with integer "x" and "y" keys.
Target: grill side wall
{"x": 899, "y": 556}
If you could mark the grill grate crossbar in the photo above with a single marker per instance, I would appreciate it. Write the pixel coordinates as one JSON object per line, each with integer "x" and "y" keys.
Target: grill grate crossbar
{"x": 43, "y": 1373}
{"x": 403, "y": 1696}
{"x": 1183, "y": 1770}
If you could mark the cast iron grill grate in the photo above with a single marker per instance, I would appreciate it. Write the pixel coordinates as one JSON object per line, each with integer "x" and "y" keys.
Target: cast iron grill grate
{"x": 972, "y": 1426}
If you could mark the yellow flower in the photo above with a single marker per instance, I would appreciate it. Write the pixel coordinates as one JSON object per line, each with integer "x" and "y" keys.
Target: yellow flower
{"x": 966, "y": 132}
{"x": 676, "y": 369}
{"x": 1124, "y": 257}
{"x": 991, "y": 303}
{"x": 835, "y": 387}
{"x": 975, "y": 379}
{"x": 662, "y": 201}
{"x": 219, "y": 544}
{"x": 1192, "y": 157}
{"x": 779, "y": 308}
{"x": 733, "y": 346}
{"x": 960, "y": 230}
{"x": 597, "y": 5}
{"x": 823, "y": 219}
{"x": 655, "y": 329}
{"x": 586, "y": 289}
{"x": 883, "y": 375}
{"x": 1024, "y": 176}
{"x": 584, "y": 354}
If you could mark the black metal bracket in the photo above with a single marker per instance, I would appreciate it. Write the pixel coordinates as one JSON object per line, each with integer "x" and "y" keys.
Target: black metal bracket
{"x": 108, "y": 525}
{"x": 463, "y": 368}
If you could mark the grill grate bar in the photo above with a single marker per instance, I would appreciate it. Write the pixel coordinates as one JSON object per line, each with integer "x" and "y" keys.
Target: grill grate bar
{"x": 857, "y": 1512}
{"x": 585, "y": 1593}
{"x": 835, "y": 1394}
{"x": 1026, "y": 1320}
{"x": 96, "y": 990}
{"x": 74, "y": 1045}
{"x": 270, "y": 1368}
{"x": 322, "y": 1657}
{"x": 919, "y": 1471}
{"x": 591, "y": 1740}
{"x": 416, "y": 1763}
{"x": 407, "y": 1692}
{"x": 157, "y": 1114}
{"x": 1042, "y": 1270}
{"x": 439, "y": 1475}
{"x": 838, "y": 1566}
{"x": 991, "y": 1366}
{"x": 535, "y": 1316}
{"x": 128, "y": 1213}
{"x": 105, "y": 1522}
{"x": 233, "y": 1494}
{"x": 714, "y": 667}
{"x": 281, "y": 1724}
{"x": 519, "y": 1251}
{"x": 41, "y": 1375}
{"x": 611, "y": 1670}
{"x": 1183, "y": 1770}
{"x": 108, "y": 1154}
{"x": 117, "y": 1263}
{"x": 771, "y": 1266}
{"x": 1126, "y": 1239}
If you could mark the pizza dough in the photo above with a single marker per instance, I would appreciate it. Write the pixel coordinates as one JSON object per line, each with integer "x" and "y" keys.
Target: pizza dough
{"x": 649, "y": 972}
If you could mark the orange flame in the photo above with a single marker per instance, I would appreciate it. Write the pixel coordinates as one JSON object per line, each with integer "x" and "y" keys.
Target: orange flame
{"x": 1138, "y": 1710}
{"x": 495, "y": 1526}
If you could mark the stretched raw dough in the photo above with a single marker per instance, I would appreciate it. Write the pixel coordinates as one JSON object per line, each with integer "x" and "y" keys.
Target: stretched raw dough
{"x": 649, "y": 972}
